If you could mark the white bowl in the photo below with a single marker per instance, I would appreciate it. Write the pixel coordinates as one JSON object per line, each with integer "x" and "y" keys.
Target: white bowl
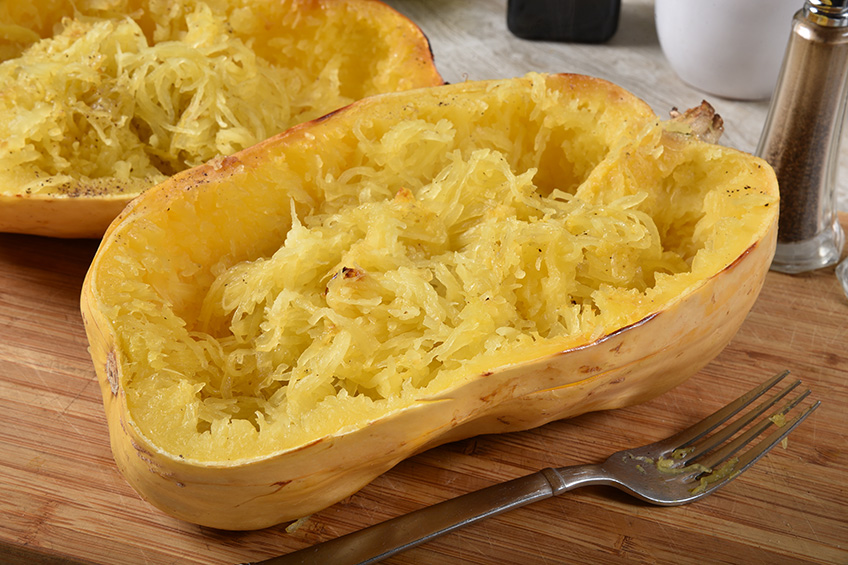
{"x": 729, "y": 48}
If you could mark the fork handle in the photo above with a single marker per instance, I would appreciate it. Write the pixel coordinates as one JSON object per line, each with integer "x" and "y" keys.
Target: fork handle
{"x": 382, "y": 540}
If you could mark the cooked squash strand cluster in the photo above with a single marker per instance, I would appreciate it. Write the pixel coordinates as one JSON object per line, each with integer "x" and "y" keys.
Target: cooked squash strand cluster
{"x": 375, "y": 267}
{"x": 101, "y": 99}
{"x": 389, "y": 293}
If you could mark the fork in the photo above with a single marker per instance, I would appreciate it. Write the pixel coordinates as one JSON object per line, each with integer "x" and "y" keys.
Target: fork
{"x": 680, "y": 469}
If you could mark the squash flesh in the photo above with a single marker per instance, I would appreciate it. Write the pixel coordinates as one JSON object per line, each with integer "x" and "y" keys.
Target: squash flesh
{"x": 406, "y": 261}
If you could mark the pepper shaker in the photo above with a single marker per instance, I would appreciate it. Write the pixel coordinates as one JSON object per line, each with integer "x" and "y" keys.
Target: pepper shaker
{"x": 802, "y": 134}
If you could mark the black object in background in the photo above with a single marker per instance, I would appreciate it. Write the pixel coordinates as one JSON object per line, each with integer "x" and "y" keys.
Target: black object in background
{"x": 577, "y": 21}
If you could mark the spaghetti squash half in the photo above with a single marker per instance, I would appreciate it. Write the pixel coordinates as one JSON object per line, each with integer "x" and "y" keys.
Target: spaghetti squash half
{"x": 275, "y": 329}
{"x": 100, "y": 100}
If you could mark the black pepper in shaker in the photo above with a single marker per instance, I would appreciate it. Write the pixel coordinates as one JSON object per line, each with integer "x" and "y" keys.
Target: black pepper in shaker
{"x": 576, "y": 21}
{"x": 802, "y": 134}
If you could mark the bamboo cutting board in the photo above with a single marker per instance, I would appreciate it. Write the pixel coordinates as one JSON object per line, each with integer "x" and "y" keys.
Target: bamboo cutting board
{"x": 63, "y": 500}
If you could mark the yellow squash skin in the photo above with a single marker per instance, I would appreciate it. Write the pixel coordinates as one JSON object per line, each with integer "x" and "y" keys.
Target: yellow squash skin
{"x": 381, "y": 51}
{"x": 251, "y": 193}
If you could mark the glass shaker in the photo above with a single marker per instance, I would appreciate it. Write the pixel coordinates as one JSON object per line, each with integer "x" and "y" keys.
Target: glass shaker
{"x": 802, "y": 134}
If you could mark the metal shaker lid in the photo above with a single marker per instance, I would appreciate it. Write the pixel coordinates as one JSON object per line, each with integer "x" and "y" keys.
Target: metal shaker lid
{"x": 829, "y": 13}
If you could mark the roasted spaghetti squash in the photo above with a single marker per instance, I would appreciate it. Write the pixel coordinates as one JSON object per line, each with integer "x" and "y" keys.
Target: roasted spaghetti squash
{"x": 99, "y": 100}
{"x": 275, "y": 329}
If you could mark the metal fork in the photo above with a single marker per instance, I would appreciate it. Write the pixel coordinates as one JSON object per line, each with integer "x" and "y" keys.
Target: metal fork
{"x": 683, "y": 468}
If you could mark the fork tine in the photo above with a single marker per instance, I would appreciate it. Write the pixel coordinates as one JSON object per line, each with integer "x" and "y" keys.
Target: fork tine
{"x": 730, "y": 448}
{"x": 725, "y": 433}
{"x": 752, "y": 455}
{"x": 708, "y": 424}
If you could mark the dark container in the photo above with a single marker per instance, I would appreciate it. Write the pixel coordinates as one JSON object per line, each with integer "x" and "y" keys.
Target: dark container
{"x": 575, "y": 21}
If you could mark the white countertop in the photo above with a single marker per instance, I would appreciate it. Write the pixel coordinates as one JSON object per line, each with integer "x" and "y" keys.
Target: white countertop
{"x": 470, "y": 41}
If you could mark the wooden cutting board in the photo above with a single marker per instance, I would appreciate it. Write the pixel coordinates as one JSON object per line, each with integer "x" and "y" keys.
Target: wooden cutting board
{"x": 62, "y": 498}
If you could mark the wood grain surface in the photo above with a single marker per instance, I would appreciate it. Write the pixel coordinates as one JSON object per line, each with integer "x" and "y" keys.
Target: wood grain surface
{"x": 62, "y": 499}
{"x": 61, "y": 496}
